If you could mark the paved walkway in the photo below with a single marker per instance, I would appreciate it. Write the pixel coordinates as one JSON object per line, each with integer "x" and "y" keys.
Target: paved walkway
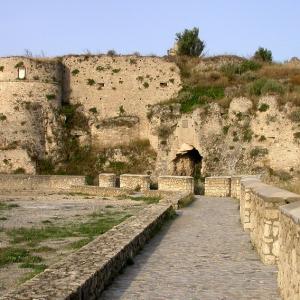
{"x": 203, "y": 254}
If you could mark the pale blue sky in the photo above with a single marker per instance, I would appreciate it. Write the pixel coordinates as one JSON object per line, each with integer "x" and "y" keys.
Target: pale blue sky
{"x": 71, "y": 26}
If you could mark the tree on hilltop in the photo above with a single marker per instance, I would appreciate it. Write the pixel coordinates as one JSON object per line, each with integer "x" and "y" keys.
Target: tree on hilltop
{"x": 189, "y": 43}
{"x": 263, "y": 54}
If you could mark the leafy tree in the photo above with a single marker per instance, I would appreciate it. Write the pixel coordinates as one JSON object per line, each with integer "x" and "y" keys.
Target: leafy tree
{"x": 188, "y": 42}
{"x": 263, "y": 54}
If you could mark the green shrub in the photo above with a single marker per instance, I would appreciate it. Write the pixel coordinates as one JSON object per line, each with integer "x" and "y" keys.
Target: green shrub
{"x": 100, "y": 68}
{"x": 91, "y": 81}
{"x": 19, "y": 65}
{"x": 75, "y": 72}
{"x": 188, "y": 42}
{"x": 263, "y": 107}
{"x": 295, "y": 116}
{"x": 20, "y": 171}
{"x": 50, "y": 97}
{"x": 263, "y": 54}
{"x": 247, "y": 135}
{"x": 121, "y": 110}
{"x": 262, "y": 138}
{"x": 111, "y": 52}
{"x": 146, "y": 85}
{"x": 93, "y": 110}
{"x": 225, "y": 129}
{"x": 258, "y": 151}
{"x": 132, "y": 61}
{"x": 116, "y": 70}
{"x": 264, "y": 86}
{"x": 232, "y": 69}
{"x": 193, "y": 97}
{"x": 164, "y": 131}
{"x": 140, "y": 78}
{"x": 2, "y": 117}
{"x": 1, "y": 68}
{"x": 297, "y": 135}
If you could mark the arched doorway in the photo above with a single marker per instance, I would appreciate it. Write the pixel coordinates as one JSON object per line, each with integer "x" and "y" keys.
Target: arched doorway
{"x": 188, "y": 161}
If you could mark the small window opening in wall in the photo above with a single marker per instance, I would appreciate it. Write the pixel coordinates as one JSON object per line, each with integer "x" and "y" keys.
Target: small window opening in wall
{"x": 21, "y": 73}
{"x": 163, "y": 84}
{"x": 185, "y": 124}
{"x": 101, "y": 84}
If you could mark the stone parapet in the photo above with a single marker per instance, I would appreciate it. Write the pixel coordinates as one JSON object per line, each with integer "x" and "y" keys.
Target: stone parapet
{"x": 85, "y": 273}
{"x": 218, "y": 186}
{"x": 107, "y": 180}
{"x": 39, "y": 182}
{"x": 176, "y": 183}
{"x": 100, "y": 191}
{"x": 289, "y": 254}
{"x": 135, "y": 182}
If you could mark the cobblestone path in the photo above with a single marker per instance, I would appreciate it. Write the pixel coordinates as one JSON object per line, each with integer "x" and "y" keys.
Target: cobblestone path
{"x": 202, "y": 254}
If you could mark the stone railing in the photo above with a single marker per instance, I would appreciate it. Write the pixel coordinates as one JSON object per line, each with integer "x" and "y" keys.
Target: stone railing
{"x": 176, "y": 183}
{"x": 273, "y": 224}
{"x": 39, "y": 182}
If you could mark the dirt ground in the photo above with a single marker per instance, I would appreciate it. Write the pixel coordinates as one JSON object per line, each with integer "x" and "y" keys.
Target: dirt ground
{"x": 49, "y": 227}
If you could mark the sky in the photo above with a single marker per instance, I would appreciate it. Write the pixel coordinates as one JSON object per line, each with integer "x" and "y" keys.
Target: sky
{"x": 59, "y": 27}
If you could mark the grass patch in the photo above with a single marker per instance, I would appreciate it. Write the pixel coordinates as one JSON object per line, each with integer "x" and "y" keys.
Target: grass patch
{"x": 97, "y": 224}
{"x": 7, "y": 206}
{"x": 147, "y": 200}
{"x": 50, "y": 97}
{"x": 192, "y": 97}
{"x": 12, "y": 255}
{"x": 78, "y": 244}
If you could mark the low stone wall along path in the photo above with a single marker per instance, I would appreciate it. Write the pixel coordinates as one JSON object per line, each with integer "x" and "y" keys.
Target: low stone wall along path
{"x": 203, "y": 254}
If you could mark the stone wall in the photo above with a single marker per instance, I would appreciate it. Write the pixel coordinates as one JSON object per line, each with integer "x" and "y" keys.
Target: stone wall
{"x": 107, "y": 180}
{"x": 100, "y": 191}
{"x": 218, "y": 186}
{"x": 43, "y": 182}
{"x": 85, "y": 273}
{"x": 135, "y": 182}
{"x": 289, "y": 254}
{"x": 176, "y": 183}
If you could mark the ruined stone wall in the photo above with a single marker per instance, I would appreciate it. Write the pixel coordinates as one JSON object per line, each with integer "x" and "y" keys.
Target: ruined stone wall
{"x": 109, "y": 87}
{"x": 27, "y": 112}
{"x": 39, "y": 182}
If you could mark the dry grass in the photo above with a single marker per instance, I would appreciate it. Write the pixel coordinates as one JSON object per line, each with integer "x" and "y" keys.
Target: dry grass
{"x": 291, "y": 186}
{"x": 278, "y": 71}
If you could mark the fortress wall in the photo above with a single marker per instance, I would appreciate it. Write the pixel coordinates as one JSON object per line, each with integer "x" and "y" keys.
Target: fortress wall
{"x": 27, "y": 111}
{"x": 38, "y": 70}
{"x": 16, "y": 160}
{"x": 289, "y": 254}
{"x": 117, "y": 86}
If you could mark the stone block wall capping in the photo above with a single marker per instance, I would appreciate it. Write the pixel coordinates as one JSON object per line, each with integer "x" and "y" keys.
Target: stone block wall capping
{"x": 107, "y": 180}
{"x": 176, "y": 183}
{"x": 39, "y": 182}
{"x": 135, "y": 182}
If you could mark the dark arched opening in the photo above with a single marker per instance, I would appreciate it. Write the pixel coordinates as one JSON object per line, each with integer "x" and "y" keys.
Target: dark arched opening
{"x": 188, "y": 163}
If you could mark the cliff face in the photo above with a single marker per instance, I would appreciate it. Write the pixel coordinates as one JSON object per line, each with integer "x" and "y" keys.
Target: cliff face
{"x": 210, "y": 116}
